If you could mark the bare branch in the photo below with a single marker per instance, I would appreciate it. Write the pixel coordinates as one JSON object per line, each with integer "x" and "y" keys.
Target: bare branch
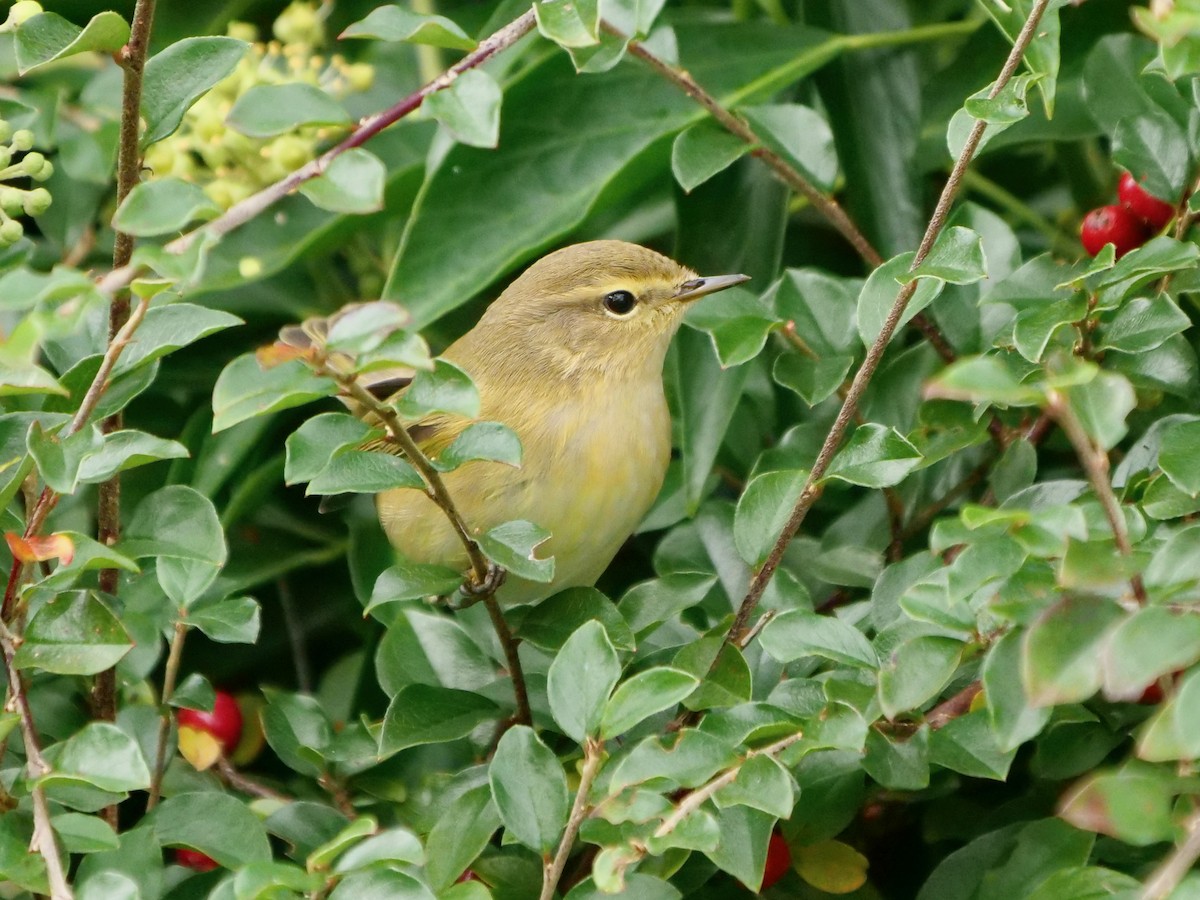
{"x": 1162, "y": 883}
{"x": 164, "y": 723}
{"x": 593, "y": 756}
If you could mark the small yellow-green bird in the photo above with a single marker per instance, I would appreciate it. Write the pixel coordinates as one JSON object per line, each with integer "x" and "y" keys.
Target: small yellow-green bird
{"x": 570, "y": 357}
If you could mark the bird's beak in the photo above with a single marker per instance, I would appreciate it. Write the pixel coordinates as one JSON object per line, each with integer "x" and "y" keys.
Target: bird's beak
{"x": 698, "y": 287}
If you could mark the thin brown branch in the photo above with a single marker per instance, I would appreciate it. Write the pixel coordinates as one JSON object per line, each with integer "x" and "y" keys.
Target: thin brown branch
{"x": 241, "y": 213}
{"x": 239, "y": 782}
{"x": 697, "y": 798}
{"x": 925, "y": 516}
{"x": 827, "y": 206}
{"x": 129, "y": 159}
{"x": 1095, "y": 463}
{"x": 485, "y": 576}
{"x": 812, "y": 486}
{"x": 36, "y": 766}
{"x": 593, "y": 756}
{"x": 170, "y": 675}
{"x": 1163, "y": 881}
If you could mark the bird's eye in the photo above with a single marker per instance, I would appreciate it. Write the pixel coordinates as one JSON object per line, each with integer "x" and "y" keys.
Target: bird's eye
{"x": 620, "y": 303}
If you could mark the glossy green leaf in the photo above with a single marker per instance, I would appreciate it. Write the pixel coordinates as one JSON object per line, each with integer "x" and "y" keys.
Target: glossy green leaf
{"x": 1060, "y": 658}
{"x": 801, "y": 136}
{"x": 244, "y": 389}
{"x": 48, "y": 36}
{"x": 218, "y": 825}
{"x": 763, "y": 511}
{"x": 266, "y": 110}
{"x": 311, "y": 446}
{"x": 1179, "y": 456}
{"x": 469, "y": 108}
{"x": 513, "y": 546}
{"x": 163, "y": 206}
{"x": 486, "y": 441}
{"x": 1132, "y": 804}
{"x": 447, "y": 389}
{"x": 460, "y": 835}
{"x": 352, "y": 184}
{"x": 424, "y": 714}
{"x": 412, "y": 581}
{"x": 881, "y": 290}
{"x": 798, "y": 633}
{"x": 581, "y": 678}
{"x": 395, "y": 23}
{"x": 529, "y": 789}
{"x": 875, "y": 456}
{"x": 74, "y": 633}
{"x": 180, "y": 527}
{"x": 364, "y": 472}
{"x": 703, "y": 150}
{"x": 643, "y": 695}
{"x": 916, "y": 671}
{"x": 178, "y": 75}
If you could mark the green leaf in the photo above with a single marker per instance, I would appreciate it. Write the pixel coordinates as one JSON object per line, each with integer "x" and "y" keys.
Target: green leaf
{"x": 1000, "y": 113}
{"x": 352, "y": 184}
{"x": 737, "y": 322}
{"x": 74, "y": 633}
{"x": 1155, "y": 149}
{"x": 1042, "y": 55}
{"x": 163, "y": 206}
{"x": 1153, "y": 642}
{"x": 875, "y": 456}
{"x": 956, "y": 257}
{"x": 168, "y": 328}
{"x": 813, "y": 379}
{"x": 564, "y": 141}
{"x": 446, "y": 389}
{"x": 458, "y": 837}
{"x": 394, "y": 23}
{"x": 643, "y": 695}
{"x": 48, "y": 36}
{"x": 426, "y": 714}
{"x": 1102, "y": 405}
{"x": 392, "y": 845}
{"x": 897, "y": 762}
{"x": 550, "y": 623}
{"x": 801, "y": 136}
{"x": 798, "y": 633}
{"x": 311, "y": 447}
{"x": 763, "y": 510}
{"x": 529, "y": 789}
{"x": 569, "y": 23}
{"x": 1014, "y": 720}
{"x": 650, "y": 603}
{"x": 1036, "y": 325}
{"x": 880, "y": 291}
{"x": 488, "y": 441}
{"x": 218, "y": 825}
{"x": 512, "y": 546}
{"x": 706, "y": 398}
{"x": 59, "y": 460}
{"x": 762, "y": 783}
{"x": 178, "y": 75}
{"x": 126, "y": 450}
{"x": 1060, "y": 659}
{"x": 180, "y": 527}
{"x": 982, "y": 379}
{"x": 364, "y": 472}
{"x": 1179, "y": 456}
{"x": 1143, "y": 324}
{"x": 412, "y": 581}
{"x": 703, "y": 150}
{"x": 266, "y": 110}
{"x": 581, "y": 678}
{"x": 244, "y": 389}
{"x": 968, "y": 745}
{"x": 1132, "y": 804}
{"x": 84, "y": 834}
{"x": 100, "y": 755}
{"x": 469, "y": 108}
{"x": 916, "y": 671}
{"x": 235, "y": 620}
{"x": 298, "y": 731}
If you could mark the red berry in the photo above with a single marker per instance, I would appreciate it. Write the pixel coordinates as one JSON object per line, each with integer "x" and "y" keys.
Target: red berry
{"x": 194, "y": 859}
{"x": 1154, "y": 212}
{"x": 224, "y": 722}
{"x": 779, "y": 860}
{"x": 1112, "y": 225}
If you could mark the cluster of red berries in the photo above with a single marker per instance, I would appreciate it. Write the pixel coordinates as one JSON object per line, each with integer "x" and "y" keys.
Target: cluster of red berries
{"x": 1128, "y": 224}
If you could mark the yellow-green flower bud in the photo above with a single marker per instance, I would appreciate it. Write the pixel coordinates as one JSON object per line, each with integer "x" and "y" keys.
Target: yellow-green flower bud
{"x": 37, "y": 201}
{"x": 299, "y": 24}
{"x": 12, "y": 200}
{"x": 22, "y": 140}
{"x": 11, "y": 232}
{"x": 32, "y": 163}
{"x": 6, "y": 130}
{"x": 243, "y": 31}
{"x": 45, "y": 172}
{"x": 250, "y": 267}
{"x": 361, "y": 76}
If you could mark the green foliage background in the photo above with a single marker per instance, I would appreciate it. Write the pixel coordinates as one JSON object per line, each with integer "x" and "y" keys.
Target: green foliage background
{"x": 943, "y": 699}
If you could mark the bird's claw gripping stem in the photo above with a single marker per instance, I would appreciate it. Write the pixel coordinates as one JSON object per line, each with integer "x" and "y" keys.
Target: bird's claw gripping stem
{"x": 489, "y": 585}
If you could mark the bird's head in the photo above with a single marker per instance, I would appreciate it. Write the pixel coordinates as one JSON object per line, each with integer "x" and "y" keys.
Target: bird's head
{"x": 598, "y": 305}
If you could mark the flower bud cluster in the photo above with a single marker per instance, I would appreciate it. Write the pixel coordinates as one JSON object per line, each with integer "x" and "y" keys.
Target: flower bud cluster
{"x": 20, "y": 201}
{"x": 229, "y": 165}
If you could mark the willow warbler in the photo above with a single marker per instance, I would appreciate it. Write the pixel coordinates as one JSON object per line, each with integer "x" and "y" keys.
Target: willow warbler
{"x": 570, "y": 357}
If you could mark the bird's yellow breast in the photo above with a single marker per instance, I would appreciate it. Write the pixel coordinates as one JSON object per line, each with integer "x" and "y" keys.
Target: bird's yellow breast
{"x": 595, "y": 454}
